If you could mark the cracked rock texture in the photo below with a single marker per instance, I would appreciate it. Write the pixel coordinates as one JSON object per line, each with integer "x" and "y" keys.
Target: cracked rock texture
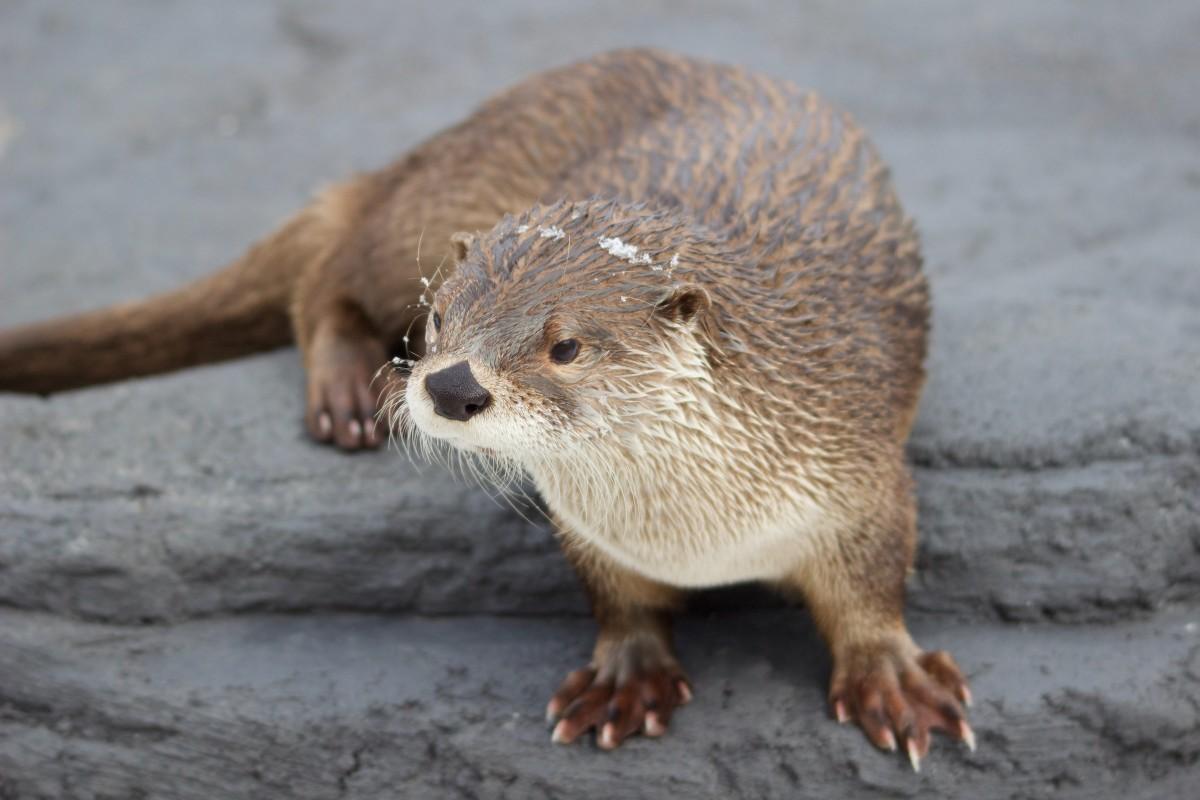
{"x": 153, "y": 533}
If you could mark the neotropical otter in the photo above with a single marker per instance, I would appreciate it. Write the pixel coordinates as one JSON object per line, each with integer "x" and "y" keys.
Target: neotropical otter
{"x": 691, "y": 310}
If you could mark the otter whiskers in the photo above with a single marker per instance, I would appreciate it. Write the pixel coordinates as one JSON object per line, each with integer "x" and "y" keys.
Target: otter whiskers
{"x": 499, "y": 476}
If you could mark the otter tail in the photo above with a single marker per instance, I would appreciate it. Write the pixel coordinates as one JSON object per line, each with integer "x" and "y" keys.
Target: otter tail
{"x": 239, "y": 310}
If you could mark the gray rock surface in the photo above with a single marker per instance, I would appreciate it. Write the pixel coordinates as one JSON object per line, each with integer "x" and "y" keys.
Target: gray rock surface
{"x": 1050, "y": 153}
{"x": 343, "y": 705}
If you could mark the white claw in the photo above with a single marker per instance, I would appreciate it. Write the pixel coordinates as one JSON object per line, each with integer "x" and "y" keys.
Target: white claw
{"x": 968, "y": 737}
{"x": 558, "y": 737}
{"x": 608, "y": 737}
{"x": 839, "y": 712}
{"x": 914, "y": 757}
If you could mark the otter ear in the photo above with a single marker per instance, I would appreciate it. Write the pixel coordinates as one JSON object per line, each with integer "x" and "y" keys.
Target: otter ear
{"x": 460, "y": 243}
{"x": 684, "y": 303}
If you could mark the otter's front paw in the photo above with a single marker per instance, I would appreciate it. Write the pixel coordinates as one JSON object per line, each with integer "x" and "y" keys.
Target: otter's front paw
{"x": 343, "y": 396}
{"x": 893, "y": 689}
{"x": 621, "y": 695}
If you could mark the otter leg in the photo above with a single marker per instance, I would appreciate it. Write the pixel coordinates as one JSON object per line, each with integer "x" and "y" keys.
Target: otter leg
{"x": 633, "y": 683}
{"x": 854, "y": 587}
{"x": 342, "y": 356}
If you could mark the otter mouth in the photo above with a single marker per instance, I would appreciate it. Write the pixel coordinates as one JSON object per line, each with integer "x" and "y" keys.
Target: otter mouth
{"x": 452, "y": 438}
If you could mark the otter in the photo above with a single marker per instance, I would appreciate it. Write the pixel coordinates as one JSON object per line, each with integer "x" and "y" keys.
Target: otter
{"x": 681, "y": 297}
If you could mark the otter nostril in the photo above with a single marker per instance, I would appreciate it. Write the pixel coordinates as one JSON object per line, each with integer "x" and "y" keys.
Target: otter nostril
{"x": 455, "y": 392}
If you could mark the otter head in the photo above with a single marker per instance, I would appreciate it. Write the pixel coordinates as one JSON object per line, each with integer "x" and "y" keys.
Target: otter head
{"x": 572, "y": 323}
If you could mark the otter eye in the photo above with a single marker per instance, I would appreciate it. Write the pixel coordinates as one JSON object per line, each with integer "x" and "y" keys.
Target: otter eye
{"x": 437, "y": 321}
{"x": 564, "y": 352}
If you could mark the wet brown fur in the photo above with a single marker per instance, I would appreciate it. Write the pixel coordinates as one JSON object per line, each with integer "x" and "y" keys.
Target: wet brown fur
{"x": 811, "y": 300}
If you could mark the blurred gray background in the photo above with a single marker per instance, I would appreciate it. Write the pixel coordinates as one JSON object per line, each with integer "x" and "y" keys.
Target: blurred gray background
{"x": 196, "y": 603}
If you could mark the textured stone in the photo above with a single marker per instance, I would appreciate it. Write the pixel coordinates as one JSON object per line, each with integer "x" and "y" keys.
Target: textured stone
{"x": 219, "y": 504}
{"x": 328, "y": 706}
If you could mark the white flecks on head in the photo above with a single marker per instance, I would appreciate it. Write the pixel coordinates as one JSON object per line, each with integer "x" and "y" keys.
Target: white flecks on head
{"x": 672, "y": 264}
{"x": 522, "y": 228}
{"x": 628, "y": 252}
{"x": 425, "y": 281}
{"x": 552, "y": 232}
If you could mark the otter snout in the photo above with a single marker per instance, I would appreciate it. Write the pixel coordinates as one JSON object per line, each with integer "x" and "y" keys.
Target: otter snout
{"x": 455, "y": 392}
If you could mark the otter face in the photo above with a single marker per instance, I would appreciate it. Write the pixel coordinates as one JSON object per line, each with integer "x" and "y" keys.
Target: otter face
{"x": 551, "y": 335}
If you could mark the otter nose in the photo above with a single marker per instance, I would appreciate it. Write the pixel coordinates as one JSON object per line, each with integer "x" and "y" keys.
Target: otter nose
{"x": 455, "y": 392}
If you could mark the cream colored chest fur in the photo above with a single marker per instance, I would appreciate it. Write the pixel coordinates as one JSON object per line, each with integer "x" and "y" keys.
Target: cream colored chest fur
{"x": 690, "y": 515}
